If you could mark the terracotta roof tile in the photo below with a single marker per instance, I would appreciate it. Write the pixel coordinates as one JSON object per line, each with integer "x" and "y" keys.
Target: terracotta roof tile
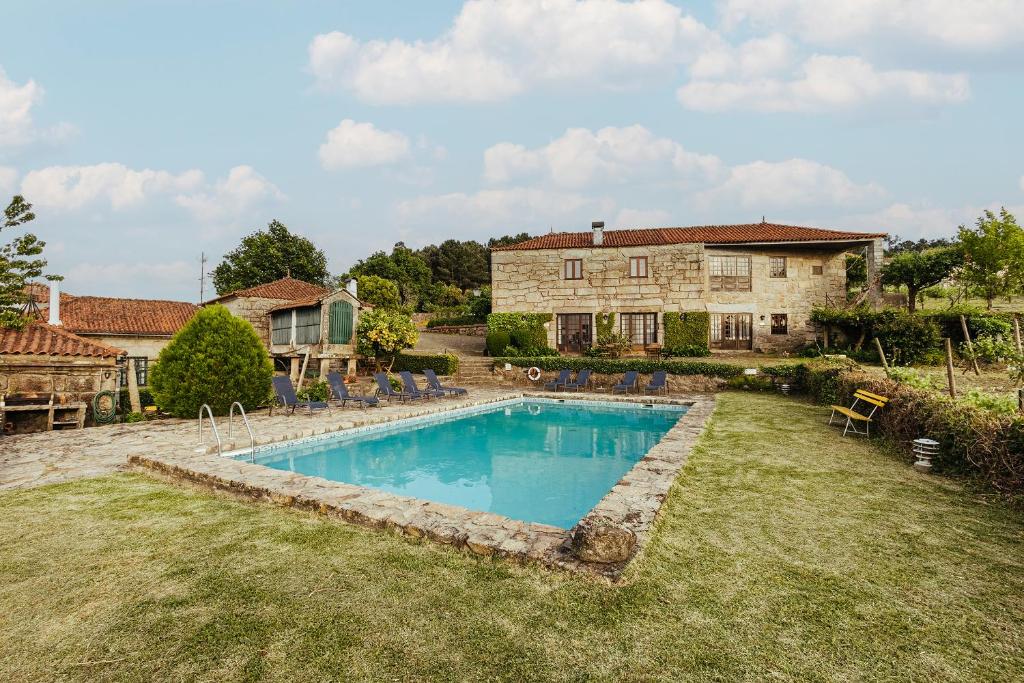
{"x": 40, "y": 339}
{"x": 109, "y": 315}
{"x": 286, "y": 289}
{"x": 298, "y": 303}
{"x": 708, "y": 234}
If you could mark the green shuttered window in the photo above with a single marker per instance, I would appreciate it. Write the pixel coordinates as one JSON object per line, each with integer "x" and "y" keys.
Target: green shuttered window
{"x": 340, "y": 331}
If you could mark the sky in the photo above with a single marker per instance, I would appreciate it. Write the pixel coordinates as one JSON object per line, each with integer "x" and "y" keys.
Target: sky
{"x": 147, "y": 133}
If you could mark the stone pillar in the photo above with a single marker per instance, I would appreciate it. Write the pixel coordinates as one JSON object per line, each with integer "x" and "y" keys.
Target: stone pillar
{"x": 325, "y": 367}
{"x": 873, "y": 260}
{"x": 351, "y": 370}
{"x": 294, "y": 374}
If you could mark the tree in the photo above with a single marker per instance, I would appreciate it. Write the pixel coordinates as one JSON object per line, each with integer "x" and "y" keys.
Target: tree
{"x": 378, "y": 292}
{"x": 216, "y": 358}
{"x": 856, "y": 271}
{"x": 404, "y": 267}
{"x": 382, "y": 333}
{"x": 917, "y": 270}
{"x": 894, "y": 245}
{"x": 993, "y": 254}
{"x": 463, "y": 264}
{"x": 268, "y": 255}
{"x": 19, "y": 263}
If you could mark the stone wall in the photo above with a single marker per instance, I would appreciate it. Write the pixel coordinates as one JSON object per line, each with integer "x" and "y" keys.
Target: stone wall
{"x": 136, "y": 345}
{"x": 464, "y": 330}
{"x": 254, "y": 310}
{"x": 532, "y": 281}
{"x": 69, "y": 380}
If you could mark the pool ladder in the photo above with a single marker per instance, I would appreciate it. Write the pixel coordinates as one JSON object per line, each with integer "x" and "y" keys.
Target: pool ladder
{"x": 231, "y": 416}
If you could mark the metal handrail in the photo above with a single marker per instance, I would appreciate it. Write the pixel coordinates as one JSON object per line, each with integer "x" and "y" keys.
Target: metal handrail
{"x": 220, "y": 447}
{"x": 248, "y": 428}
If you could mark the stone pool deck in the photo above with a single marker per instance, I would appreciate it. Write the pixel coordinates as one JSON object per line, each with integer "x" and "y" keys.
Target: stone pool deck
{"x": 630, "y": 508}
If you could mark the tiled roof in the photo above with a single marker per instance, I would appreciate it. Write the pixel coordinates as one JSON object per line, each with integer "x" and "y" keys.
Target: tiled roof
{"x": 41, "y": 339}
{"x": 108, "y": 315}
{"x": 286, "y": 289}
{"x": 709, "y": 234}
{"x": 298, "y": 303}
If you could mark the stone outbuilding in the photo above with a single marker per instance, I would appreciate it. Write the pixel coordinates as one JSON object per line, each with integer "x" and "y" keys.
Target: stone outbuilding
{"x": 254, "y": 303}
{"x": 757, "y": 282}
{"x": 49, "y": 376}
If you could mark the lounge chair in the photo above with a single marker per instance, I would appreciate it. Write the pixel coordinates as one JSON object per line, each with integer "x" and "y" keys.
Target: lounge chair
{"x": 410, "y": 387}
{"x": 563, "y": 377}
{"x": 285, "y": 393}
{"x": 581, "y": 381}
{"x": 659, "y": 382}
{"x": 385, "y": 389}
{"x": 434, "y": 383}
{"x": 853, "y": 417}
{"x": 340, "y": 392}
{"x": 628, "y": 382}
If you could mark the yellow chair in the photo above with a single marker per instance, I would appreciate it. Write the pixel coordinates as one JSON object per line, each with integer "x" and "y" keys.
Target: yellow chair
{"x": 853, "y": 417}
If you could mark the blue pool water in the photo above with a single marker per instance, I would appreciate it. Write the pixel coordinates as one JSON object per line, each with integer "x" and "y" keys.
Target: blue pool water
{"x": 535, "y": 461}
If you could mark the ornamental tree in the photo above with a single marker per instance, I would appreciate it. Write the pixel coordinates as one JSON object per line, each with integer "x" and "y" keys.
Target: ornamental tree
{"x": 19, "y": 263}
{"x": 216, "y": 358}
{"x": 918, "y": 270}
{"x": 382, "y": 333}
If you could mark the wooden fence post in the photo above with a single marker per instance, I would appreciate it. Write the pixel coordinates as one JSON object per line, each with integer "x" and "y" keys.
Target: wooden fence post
{"x": 970, "y": 346}
{"x": 1016, "y": 332}
{"x": 881, "y": 354}
{"x": 949, "y": 368}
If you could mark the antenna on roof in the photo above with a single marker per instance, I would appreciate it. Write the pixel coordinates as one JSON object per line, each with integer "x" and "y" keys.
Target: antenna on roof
{"x": 202, "y": 276}
{"x": 763, "y": 220}
{"x": 287, "y": 271}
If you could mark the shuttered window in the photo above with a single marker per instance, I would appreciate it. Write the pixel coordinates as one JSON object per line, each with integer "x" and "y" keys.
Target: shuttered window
{"x": 307, "y": 325}
{"x": 729, "y": 273}
{"x": 281, "y": 327}
{"x": 340, "y": 326}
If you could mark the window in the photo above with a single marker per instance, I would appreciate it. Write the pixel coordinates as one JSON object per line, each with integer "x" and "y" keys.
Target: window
{"x": 141, "y": 371}
{"x": 572, "y": 269}
{"x": 729, "y": 273}
{"x": 777, "y": 266}
{"x": 307, "y": 325}
{"x": 640, "y": 328}
{"x": 638, "y": 266}
{"x": 816, "y": 270}
{"x": 281, "y": 327}
{"x": 780, "y": 323}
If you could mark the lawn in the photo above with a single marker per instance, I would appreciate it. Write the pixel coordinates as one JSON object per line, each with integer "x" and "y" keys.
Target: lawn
{"x": 785, "y": 552}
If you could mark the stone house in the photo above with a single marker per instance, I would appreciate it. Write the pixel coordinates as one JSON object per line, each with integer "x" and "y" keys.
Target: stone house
{"x": 758, "y": 282}
{"x": 48, "y": 376}
{"x": 254, "y": 303}
{"x": 317, "y": 332}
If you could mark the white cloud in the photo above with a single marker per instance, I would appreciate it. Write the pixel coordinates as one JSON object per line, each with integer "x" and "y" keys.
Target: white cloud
{"x": 503, "y": 210}
{"x": 581, "y": 157}
{"x": 67, "y": 188}
{"x": 16, "y": 102}
{"x": 231, "y": 197}
{"x": 788, "y": 184}
{"x": 755, "y": 57}
{"x": 8, "y": 179}
{"x": 974, "y": 25}
{"x": 353, "y": 144}
{"x": 827, "y": 83}
{"x": 495, "y": 50}
{"x": 641, "y": 218}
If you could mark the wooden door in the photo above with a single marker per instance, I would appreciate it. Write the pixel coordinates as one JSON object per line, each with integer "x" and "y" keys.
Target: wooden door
{"x": 574, "y": 332}
{"x": 732, "y": 331}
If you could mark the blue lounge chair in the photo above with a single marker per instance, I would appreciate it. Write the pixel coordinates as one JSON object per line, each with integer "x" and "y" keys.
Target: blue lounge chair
{"x": 285, "y": 393}
{"x": 434, "y": 383}
{"x": 563, "y": 377}
{"x": 340, "y": 392}
{"x": 385, "y": 389}
{"x": 628, "y": 382}
{"x": 658, "y": 383}
{"x": 410, "y": 387}
{"x": 581, "y": 381}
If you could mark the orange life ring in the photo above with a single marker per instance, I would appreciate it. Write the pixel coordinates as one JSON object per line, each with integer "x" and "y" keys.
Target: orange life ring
{"x": 533, "y": 373}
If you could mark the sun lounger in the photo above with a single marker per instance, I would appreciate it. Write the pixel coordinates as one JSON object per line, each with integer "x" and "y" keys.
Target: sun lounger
{"x": 285, "y": 393}
{"x": 659, "y": 382}
{"x": 563, "y": 377}
{"x": 628, "y": 382}
{"x": 409, "y": 383}
{"x": 340, "y": 392}
{"x": 434, "y": 383}
{"x": 385, "y": 389}
{"x": 581, "y": 381}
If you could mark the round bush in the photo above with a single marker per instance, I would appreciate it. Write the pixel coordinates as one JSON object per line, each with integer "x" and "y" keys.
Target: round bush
{"x": 497, "y": 342}
{"x": 215, "y": 358}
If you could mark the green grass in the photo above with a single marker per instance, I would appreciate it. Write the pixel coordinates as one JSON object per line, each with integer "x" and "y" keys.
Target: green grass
{"x": 785, "y": 553}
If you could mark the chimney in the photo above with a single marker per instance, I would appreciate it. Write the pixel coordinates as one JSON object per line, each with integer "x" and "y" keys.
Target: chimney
{"x": 598, "y": 228}
{"x": 352, "y": 287}
{"x": 54, "y": 303}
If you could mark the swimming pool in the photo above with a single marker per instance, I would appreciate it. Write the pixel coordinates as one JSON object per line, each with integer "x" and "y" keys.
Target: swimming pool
{"x": 535, "y": 460}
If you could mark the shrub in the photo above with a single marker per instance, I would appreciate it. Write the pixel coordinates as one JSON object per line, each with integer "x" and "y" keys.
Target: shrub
{"x": 989, "y": 350}
{"x": 907, "y": 337}
{"x": 613, "y": 366}
{"x": 1001, "y": 404}
{"x": 216, "y": 359}
{"x": 911, "y": 377}
{"x": 382, "y": 333}
{"x": 317, "y": 390}
{"x": 441, "y": 363}
{"x": 497, "y": 341}
{"x": 509, "y": 322}
{"x": 378, "y": 292}
{"x": 134, "y": 417}
{"x": 751, "y": 383}
{"x": 686, "y": 334}
{"x": 453, "y": 320}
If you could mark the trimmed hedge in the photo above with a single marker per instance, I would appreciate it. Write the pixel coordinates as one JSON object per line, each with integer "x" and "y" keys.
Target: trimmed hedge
{"x": 611, "y": 366}
{"x": 686, "y": 334}
{"x": 441, "y": 363}
{"x": 512, "y": 322}
{"x": 454, "y": 321}
{"x": 497, "y": 341}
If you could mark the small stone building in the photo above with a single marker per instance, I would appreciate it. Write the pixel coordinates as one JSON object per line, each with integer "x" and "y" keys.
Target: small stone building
{"x": 43, "y": 366}
{"x": 320, "y": 328}
{"x": 758, "y": 282}
{"x": 254, "y": 304}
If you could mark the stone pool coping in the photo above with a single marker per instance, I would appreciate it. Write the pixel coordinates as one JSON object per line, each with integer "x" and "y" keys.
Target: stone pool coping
{"x": 633, "y": 503}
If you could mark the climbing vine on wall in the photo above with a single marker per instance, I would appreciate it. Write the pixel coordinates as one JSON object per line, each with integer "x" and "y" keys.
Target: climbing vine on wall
{"x": 686, "y": 334}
